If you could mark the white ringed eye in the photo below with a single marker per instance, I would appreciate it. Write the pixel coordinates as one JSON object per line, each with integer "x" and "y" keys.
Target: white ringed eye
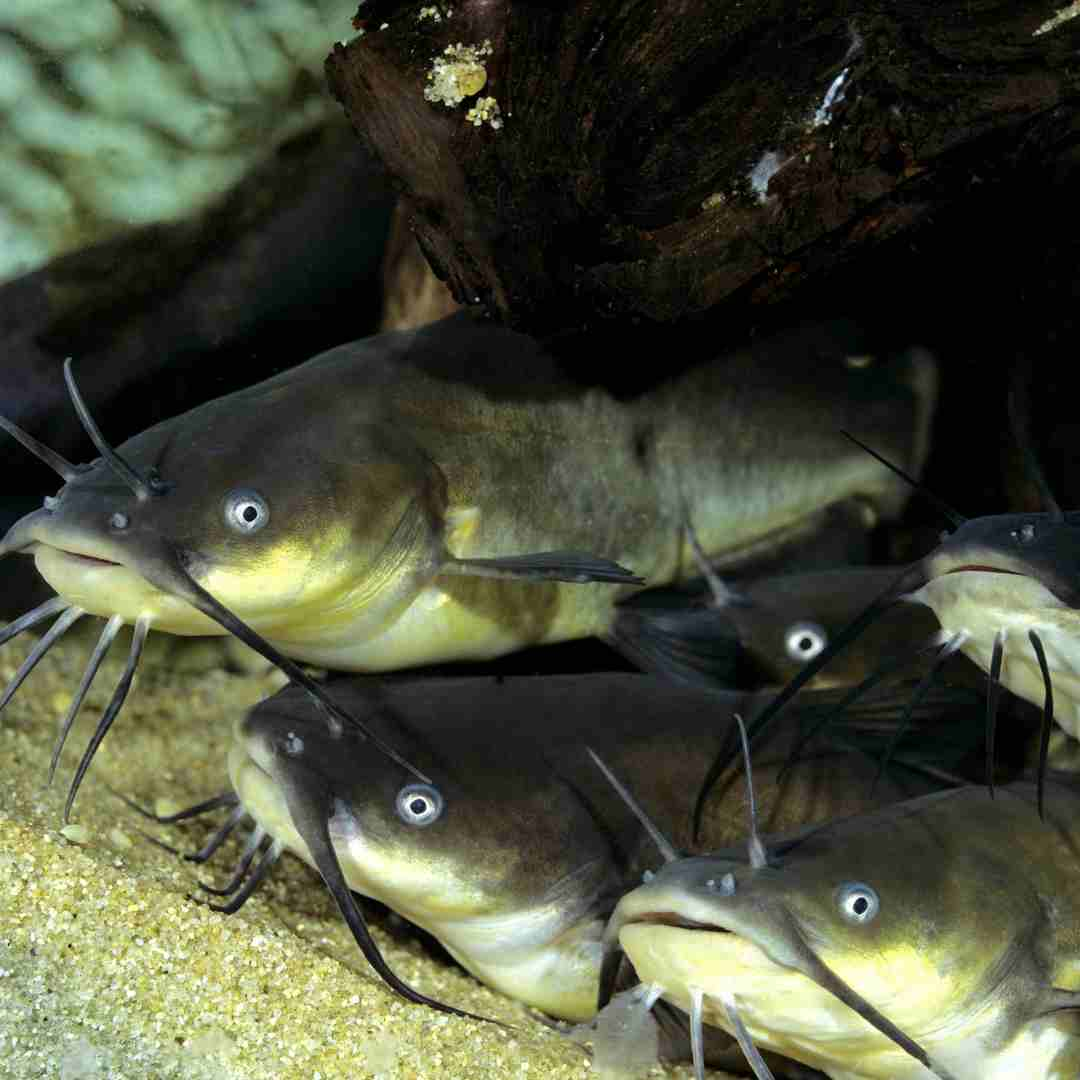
{"x": 246, "y": 511}
{"x": 805, "y": 640}
{"x": 419, "y": 804}
{"x": 858, "y": 902}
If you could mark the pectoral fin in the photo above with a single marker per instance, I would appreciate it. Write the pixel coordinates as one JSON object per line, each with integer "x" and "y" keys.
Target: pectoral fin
{"x": 578, "y": 567}
{"x": 692, "y": 645}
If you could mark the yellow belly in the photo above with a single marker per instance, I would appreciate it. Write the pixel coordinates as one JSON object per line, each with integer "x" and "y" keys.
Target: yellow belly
{"x": 457, "y": 618}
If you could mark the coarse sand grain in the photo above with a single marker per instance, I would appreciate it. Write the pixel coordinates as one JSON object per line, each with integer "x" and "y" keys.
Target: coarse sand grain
{"x": 108, "y": 968}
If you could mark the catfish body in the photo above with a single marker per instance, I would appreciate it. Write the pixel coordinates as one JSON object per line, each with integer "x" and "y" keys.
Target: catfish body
{"x": 346, "y": 509}
{"x": 1008, "y": 577}
{"x": 518, "y": 854}
{"x": 954, "y": 917}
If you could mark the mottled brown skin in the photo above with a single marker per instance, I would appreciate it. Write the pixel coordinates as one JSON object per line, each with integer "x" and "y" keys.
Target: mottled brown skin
{"x": 384, "y": 461}
{"x": 534, "y": 847}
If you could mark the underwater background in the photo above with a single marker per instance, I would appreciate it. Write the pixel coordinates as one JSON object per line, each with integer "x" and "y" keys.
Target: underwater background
{"x": 184, "y": 210}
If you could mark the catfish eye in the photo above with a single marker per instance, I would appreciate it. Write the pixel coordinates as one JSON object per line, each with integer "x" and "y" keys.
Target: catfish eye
{"x": 419, "y": 804}
{"x": 805, "y": 640}
{"x": 858, "y": 903}
{"x": 246, "y": 511}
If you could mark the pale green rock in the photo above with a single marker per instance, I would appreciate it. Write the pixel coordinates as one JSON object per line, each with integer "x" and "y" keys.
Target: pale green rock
{"x": 116, "y": 114}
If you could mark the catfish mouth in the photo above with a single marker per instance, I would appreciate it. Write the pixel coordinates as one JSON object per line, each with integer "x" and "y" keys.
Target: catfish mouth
{"x": 979, "y": 568}
{"x": 259, "y": 793}
{"x": 671, "y": 918}
{"x": 84, "y": 560}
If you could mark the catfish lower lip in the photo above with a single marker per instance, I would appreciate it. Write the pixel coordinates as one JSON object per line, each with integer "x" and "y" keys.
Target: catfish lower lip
{"x": 670, "y": 918}
{"x": 979, "y": 568}
{"x": 90, "y": 560}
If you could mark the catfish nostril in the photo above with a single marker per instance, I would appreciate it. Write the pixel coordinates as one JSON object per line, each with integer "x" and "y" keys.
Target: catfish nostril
{"x": 157, "y": 484}
{"x": 119, "y": 520}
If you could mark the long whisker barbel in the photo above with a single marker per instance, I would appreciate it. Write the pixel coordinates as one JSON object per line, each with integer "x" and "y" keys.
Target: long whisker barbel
{"x": 311, "y": 818}
{"x": 755, "y": 848}
{"x": 993, "y": 694}
{"x": 889, "y": 666}
{"x": 1047, "y": 720}
{"x": 948, "y": 649}
{"x": 267, "y": 861}
{"x": 218, "y": 837}
{"x": 666, "y": 848}
{"x": 43, "y": 453}
{"x": 247, "y": 856}
{"x": 742, "y": 1036}
{"x": 33, "y": 617}
{"x": 143, "y": 488}
{"x": 138, "y": 639}
{"x": 954, "y": 517}
{"x": 108, "y": 635}
{"x": 67, "y": 617}
{"x": 237, "y": 888}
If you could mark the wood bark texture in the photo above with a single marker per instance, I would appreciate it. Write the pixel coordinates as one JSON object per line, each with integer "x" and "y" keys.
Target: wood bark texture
{"x": 656, "y": 160}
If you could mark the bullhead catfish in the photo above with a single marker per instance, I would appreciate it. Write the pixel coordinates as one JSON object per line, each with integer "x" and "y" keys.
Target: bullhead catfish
{"x": 1005, "y": 590}
{"x": 430, "y": 495}
{"x": 515, "y": 859}
{"x": 938, "y": 937}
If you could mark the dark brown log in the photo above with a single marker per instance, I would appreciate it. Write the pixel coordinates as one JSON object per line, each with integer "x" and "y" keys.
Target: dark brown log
{"x": 657, "y": 160}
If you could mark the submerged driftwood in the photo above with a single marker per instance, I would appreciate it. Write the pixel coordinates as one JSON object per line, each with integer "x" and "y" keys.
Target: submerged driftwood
{"x": 623, "y": 158}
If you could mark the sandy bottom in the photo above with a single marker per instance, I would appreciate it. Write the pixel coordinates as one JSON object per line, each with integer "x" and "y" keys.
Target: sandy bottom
{"x": 109, "y": 969}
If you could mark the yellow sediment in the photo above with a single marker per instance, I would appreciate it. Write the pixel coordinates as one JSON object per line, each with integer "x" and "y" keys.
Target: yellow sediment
{"x": 108, "y": 969}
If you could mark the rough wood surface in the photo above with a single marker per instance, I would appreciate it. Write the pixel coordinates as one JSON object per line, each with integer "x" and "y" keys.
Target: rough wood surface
{"x": 658, "y": 160}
